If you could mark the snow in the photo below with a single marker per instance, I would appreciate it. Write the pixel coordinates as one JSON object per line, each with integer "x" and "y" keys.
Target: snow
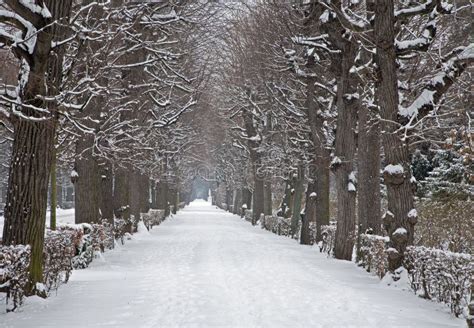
{"x": 400, "y": 231}
{"x": 413, "y": 213}
{"x": 393, "y": 169}
{"x": 208, "y": 268}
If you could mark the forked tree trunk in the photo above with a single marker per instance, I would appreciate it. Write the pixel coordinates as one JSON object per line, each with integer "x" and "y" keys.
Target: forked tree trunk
{"x": 397, "y": 221}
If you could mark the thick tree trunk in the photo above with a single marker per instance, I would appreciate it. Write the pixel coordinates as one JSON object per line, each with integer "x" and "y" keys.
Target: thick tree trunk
{"x": 238, "y": 201}
{"x": 258, "y": 199}
{"x": 163, "y": 196}
{"x": 87, "y": 186}
{"x": 25, "y": 210}
{"x": 345, "y": 150}
{"x": 267, "y": 209}
{"x": 368, "y": 167}
{"x": 309, "y": 213}
{"x": 122, "y": 194}
{"x": 246, "y": 199}
{"x": 54, "y": 191}
{"x": 397, "y": 221}
{"x": 319, "y": 169}
{"x": 135, "y": 197}
{"x": 107, "y": 192}
{"x": 32, "y": 148}
{"x": 298, "y": 193}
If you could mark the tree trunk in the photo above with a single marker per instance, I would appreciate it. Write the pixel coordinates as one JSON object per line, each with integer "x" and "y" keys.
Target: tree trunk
{"x": 267, "y": 197}
{"x": 122, "y": 194}
{"x": 319, "y": 169}
{"x": 134, "y": 183}
{"x": 33, "y": 143}
{"x": 397, "y": 221}
{"x": 107, "y": 192}
{"x": 309, "y": 213}
{"x": 258, "y": 199}
{"x": 25, "y": 210}
{"x": 298, "y": 193}
{"x": 368, "y": 167}
{"x": 54, "y": 191}
{"x": 345, "y": 150}
{"x": 87, "y": 186}
{"x": 238, "y": 201}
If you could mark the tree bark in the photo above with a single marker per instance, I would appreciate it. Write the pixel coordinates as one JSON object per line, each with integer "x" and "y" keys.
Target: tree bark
{"x": 298, "y": 192}
{"x": 399, "y": 225}
{"x": 33, "y": 142}
{"x": 368, "y": 167}
{"x": 267, "y": 210}
{"x": 54, "y": 191}
{"x": 107, "y": 192}
{"x": 309, "y": 213}
{"x": 345, "y": 147}
{"x": 87, "y": 186}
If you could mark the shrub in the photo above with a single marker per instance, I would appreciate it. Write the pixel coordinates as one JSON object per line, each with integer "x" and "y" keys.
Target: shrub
{"x": 14, "y": 263}
{"x": 440, "y": 275}
{"x": 328, "y": 234}
{"x": 372, "y": 254}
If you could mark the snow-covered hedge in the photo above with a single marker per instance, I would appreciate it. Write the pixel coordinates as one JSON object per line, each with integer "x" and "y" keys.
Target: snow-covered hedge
{"x": 248, "y": 215}
{"x": 59, "y": 250}
{"x": 440, "y": 275}
{"x": 153, "y": 218}
{"x": 278, "y": 225}
{"x": 372, "y": 255}
{"x": 14, "y": 262}
{"x": 328, "y": 234}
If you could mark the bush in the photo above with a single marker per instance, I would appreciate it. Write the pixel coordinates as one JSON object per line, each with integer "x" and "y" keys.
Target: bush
{"x": 372, "y": 255}
{"x": 153, "y": 218}
{"x": 440, "y": 275}
{"x": 328, "y": 234}
{"x": 14, "y": 263}
{"x": 59, "y": 250}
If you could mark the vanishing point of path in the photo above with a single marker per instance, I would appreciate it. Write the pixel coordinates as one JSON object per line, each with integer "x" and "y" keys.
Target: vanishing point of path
{"x": 208, "y": 268}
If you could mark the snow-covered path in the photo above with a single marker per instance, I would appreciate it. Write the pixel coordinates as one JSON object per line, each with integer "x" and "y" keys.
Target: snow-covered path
{"x": 205, "y": 267}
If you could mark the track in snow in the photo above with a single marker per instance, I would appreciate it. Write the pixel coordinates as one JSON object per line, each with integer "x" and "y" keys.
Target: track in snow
{"x": 205, "y": 267}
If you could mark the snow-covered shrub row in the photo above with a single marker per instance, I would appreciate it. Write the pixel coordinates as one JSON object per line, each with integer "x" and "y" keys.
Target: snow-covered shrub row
{"x": 153, "y": 218}
{"x": 278, "y": 225}
{"x": 440, "y": 275}
{"x": 59, "y": 250}
{"x": 372, "y": 254}
{"x": 123, "y": 227}
{"x": 248, "y": 215}
{"x": 14, "y": 262}
{"x": 328, "y": 234}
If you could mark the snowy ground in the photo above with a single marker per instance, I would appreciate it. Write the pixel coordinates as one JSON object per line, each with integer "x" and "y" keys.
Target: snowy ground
{"x": 62, "y": 216}
{"x": 205, "y": 267}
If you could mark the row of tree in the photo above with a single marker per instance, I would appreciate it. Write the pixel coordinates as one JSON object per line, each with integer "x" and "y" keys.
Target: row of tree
{"x": 102, "y": 89}
{"x": 337, "y": 96}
